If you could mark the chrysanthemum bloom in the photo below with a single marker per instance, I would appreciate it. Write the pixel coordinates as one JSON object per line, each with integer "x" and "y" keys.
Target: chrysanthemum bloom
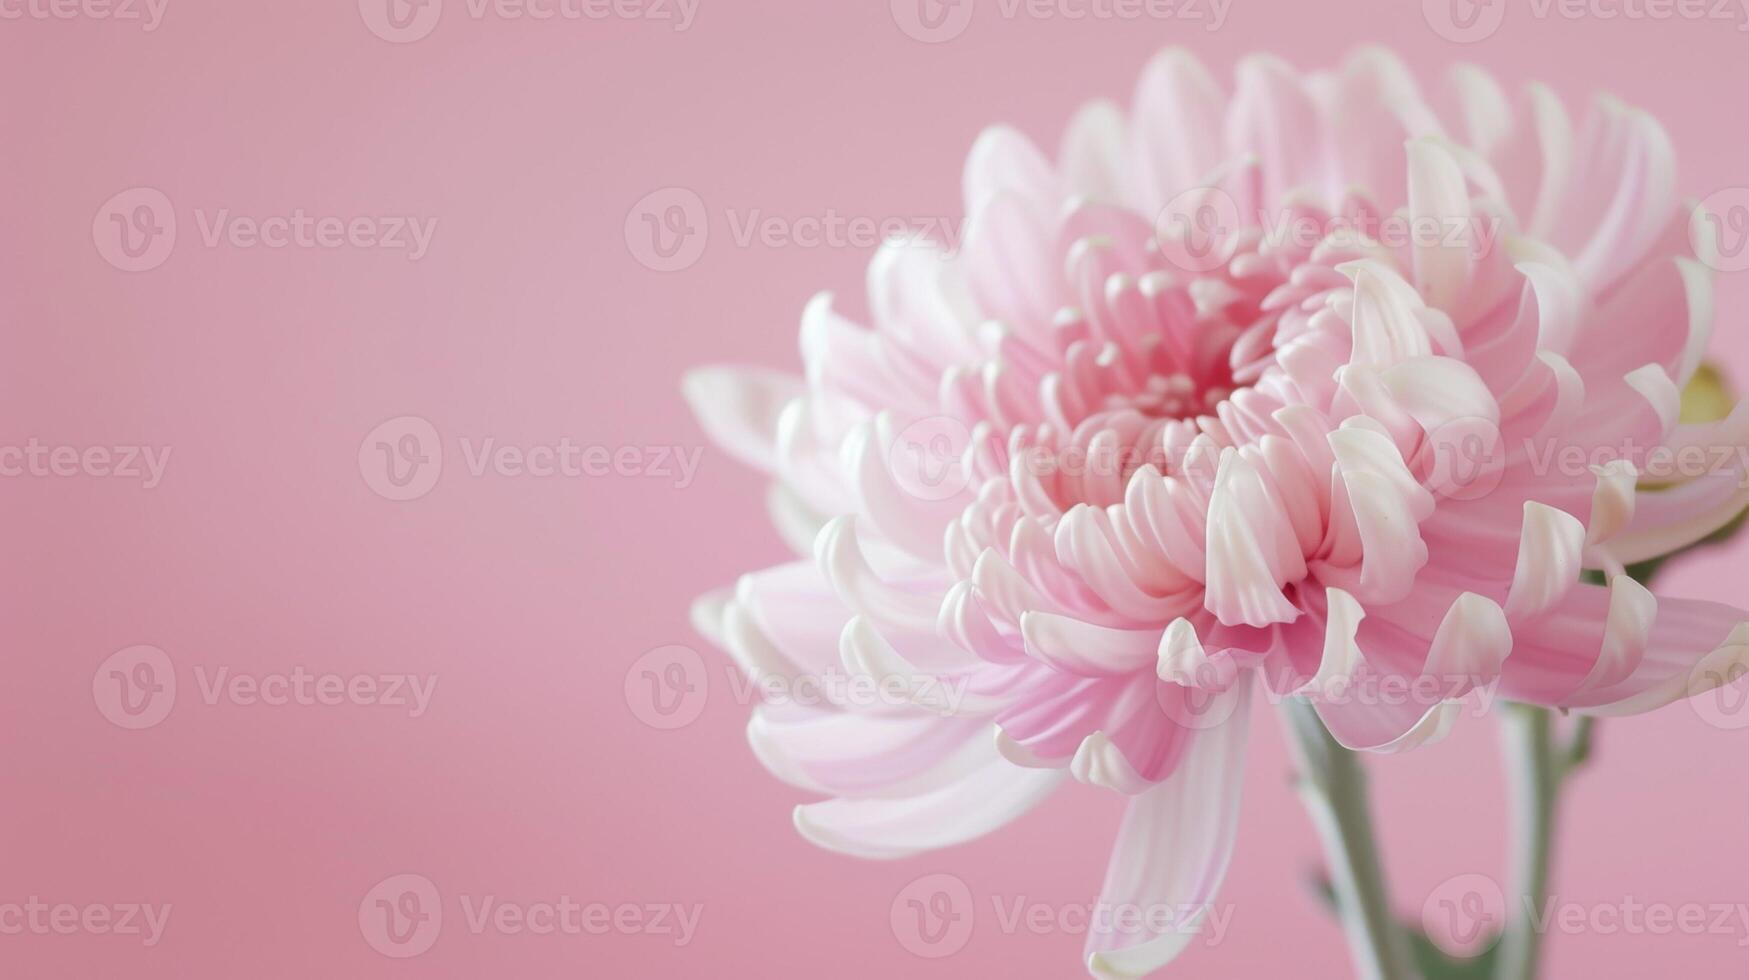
{"x": 1144, "y": 447}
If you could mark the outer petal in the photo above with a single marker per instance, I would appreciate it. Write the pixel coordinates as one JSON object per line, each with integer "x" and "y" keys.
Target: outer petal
{"x": 867, "y": 755}
{"x": 739, "y": 408}
{"x": 1693, "y": 648}
{"x": 1620, "y": 650}
{"x": 1173, "y": 851}
{"x": 885, "y": 829}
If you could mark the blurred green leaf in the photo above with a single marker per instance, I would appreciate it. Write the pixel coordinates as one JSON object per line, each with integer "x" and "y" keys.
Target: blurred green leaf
{"x": 1432, "y": 962}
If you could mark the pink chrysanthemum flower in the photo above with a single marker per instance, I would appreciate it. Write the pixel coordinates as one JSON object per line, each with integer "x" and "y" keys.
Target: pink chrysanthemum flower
{"x": 1143, "y": 448}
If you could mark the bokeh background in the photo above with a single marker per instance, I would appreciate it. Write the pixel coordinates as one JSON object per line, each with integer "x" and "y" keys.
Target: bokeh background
{"x": 534, "y": 316}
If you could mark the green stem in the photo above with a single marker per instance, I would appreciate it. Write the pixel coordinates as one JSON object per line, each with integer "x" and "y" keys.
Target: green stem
{"x": 1333, "y": 785}
{"x": 1539, "y": 764}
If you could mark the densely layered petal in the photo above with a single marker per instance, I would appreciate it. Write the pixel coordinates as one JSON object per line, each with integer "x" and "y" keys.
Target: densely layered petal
{"x": 1311, "y": 387}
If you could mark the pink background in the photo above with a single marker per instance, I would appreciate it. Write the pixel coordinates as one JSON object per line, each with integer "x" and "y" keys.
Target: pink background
{"x": 531, "y": 320}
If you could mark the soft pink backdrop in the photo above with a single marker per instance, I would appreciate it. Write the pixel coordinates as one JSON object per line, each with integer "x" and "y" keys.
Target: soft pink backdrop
{"x": 531, "y": 320}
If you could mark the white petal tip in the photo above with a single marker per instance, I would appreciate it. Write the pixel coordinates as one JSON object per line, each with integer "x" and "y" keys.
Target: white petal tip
{"x": 1099, "y": 762}
{"x": 707, "y": 614}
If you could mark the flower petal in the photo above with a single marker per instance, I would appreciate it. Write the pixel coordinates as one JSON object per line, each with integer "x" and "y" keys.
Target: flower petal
{"x": 1172, "y": 853}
